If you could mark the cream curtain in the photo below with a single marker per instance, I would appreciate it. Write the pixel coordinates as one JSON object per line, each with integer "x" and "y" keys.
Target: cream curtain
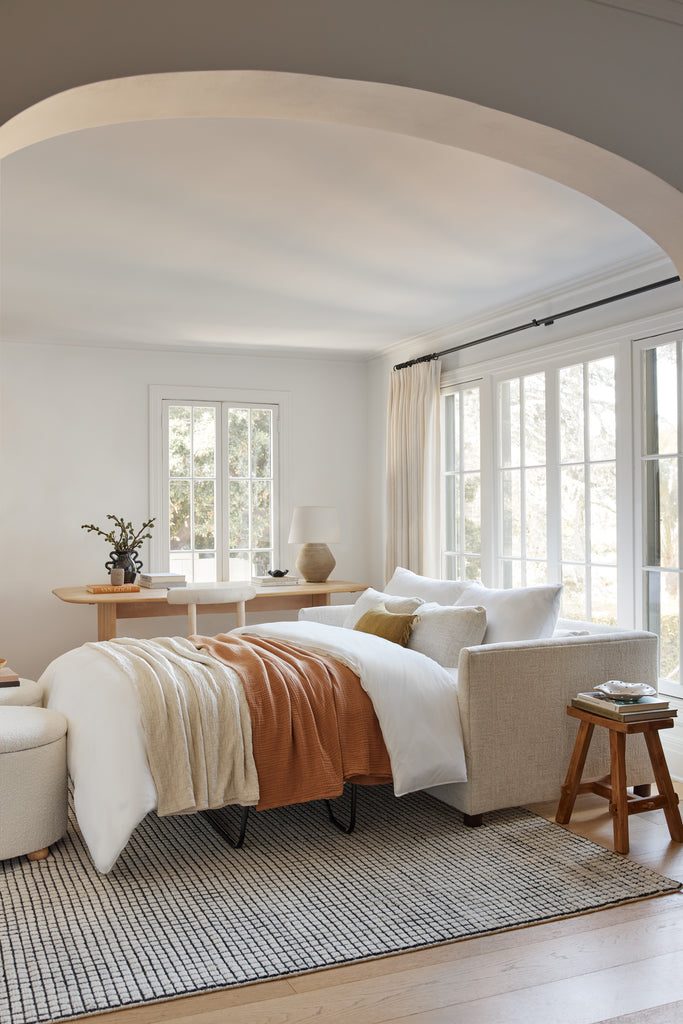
{"x": 413, "y": 466}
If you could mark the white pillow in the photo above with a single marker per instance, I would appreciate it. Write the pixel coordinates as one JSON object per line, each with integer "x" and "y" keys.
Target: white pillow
{"x": 441, "y": 632}
{"x": 521, "y": 613}
{"x": 371, "y": 598}
{"x": 408, "y": 584}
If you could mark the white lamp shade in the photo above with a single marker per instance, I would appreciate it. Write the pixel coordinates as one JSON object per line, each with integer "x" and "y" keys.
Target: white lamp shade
{"x": 314, "y": 524}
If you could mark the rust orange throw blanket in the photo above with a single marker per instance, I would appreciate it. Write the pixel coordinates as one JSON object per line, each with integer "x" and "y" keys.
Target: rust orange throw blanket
{"x": 313, "y": 725}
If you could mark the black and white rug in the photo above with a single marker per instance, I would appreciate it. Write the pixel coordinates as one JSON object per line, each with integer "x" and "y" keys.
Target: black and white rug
{"x": 183, "y": 913}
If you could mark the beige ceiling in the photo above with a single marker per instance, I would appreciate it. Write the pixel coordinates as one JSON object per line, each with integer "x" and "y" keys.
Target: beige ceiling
{"x": 273, "y": 234}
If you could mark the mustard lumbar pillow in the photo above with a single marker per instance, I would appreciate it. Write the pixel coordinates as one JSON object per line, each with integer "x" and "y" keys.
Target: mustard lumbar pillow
{"x": 389, "y": 625}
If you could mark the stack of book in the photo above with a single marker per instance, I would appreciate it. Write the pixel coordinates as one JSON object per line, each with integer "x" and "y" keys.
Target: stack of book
{"x": 8, "y": 677}
{"x": 274, "y": 581}
{"x": 642, "y": 709}
{"x": 157, "y": 580}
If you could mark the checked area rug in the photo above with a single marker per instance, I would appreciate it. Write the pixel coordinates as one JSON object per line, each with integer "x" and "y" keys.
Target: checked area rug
{"x": 182, "y": 912}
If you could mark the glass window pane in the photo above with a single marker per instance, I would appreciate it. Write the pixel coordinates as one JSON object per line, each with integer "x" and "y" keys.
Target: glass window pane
{"x": 512, "y": 512}
{"x": 662, "y": 604}
{"x": 262, "y": 561}
{"x": 661, "y": 400}
{"x": 661, "y": 508}
{"x": 536, "y": 573}
{"x": 602, "y": 426}
{"x": 181, "y": 562}
{"x": 261, "y": 431}
{"x": 604, "y": 595}
{"x": 240, "y": 565}
{"x": 534, "y": 420}
{"x": 180, "y": 534}
{"x": 238, "y": 442}
{"x": 472, "y": 568}
{"x": 471, "y": 437}
{"x": 179, "y": 439}
{"x": 260, "y": 514}
{"x": 603, "y": 499}
{"x": 571, "y": 414}
{"x": 472, "y": 500}
{"x": 204, "y": 438}
{"x": 574, "y": 592}
{"x": 573, "y": 513}
{"x": 512, "y": 573}
{"x": 452, "y": 513}
{"x": 239, "y": 515}
{"x": 205, "y": 515}
{"x": 205, "y": 567}
{"x": 509, "y": 423}
{"x": 536, "y": 513}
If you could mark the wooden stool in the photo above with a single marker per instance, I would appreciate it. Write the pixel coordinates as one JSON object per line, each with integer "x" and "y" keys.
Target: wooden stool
{"x": 613, "y": 786}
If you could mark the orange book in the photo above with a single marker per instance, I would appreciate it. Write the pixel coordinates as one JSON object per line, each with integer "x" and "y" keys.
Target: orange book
{"x": 107, "y": 588}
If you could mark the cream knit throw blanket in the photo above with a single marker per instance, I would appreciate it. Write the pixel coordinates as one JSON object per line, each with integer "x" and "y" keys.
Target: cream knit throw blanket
{"x": 196, "y": 722}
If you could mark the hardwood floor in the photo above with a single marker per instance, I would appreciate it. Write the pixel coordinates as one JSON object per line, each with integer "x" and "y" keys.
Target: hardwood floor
{"x": 622, "y": 964}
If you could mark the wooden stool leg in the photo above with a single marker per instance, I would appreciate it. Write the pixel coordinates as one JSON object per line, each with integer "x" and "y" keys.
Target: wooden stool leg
{"x": 571, "y": 784}
{"x": 663, "y": 780}
{"x": 619, "y": 804}
{"x": 39, "y": 854}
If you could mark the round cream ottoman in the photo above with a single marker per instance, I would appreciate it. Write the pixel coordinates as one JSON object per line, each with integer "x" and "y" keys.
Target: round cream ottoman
{"x": 33, "y": 789}
{"x": 28, "y": 694}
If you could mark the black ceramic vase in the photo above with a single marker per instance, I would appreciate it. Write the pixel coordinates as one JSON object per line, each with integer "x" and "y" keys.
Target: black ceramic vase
{"x": 126, "y": 560}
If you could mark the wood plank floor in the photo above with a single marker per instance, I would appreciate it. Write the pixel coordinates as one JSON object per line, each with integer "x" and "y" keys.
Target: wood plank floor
{"x": 623, "y": 964}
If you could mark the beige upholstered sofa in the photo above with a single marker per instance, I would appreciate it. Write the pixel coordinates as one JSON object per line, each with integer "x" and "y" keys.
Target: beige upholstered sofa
{"x": 513, "y": 697}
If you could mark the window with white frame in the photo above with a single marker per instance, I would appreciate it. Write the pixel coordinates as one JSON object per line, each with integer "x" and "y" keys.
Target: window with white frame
{"x": 554, "y": 514}
{"x": 215, "y": 473}
{"x": 461, "y": 491}
{"x": 661, "y": 369}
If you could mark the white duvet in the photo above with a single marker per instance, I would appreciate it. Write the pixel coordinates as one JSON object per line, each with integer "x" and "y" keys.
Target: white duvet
{"x": 414, "y": 699}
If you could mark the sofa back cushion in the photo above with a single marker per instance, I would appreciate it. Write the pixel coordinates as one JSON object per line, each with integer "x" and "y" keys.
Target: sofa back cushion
{"x": 371, "y": 598}
{"x": 441, "y": 632}
{"x": 405, "y": 583}
{"x": 521, "y": 613}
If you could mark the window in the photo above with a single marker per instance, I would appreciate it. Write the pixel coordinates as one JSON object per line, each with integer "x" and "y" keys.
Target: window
{"x": 215, "y": 481}
{"x": 461, "y": 499}
{"x": 661, "y": 481}
{"x": 553, "y": 515}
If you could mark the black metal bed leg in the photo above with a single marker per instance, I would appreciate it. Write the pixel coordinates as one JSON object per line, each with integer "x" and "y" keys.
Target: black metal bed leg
{"x": 346, "y": 829}
{"x": 215, "y": 820}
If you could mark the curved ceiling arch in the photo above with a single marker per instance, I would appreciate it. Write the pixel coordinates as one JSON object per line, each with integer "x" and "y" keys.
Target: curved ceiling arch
{"x": 629, "y": 190}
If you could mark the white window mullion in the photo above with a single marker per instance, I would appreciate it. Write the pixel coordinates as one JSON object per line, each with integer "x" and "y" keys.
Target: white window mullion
{"x": 553, "y": 475}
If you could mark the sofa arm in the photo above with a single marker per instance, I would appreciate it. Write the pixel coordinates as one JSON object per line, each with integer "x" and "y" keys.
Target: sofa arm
{"x": 329, "y": 614}
{"x": 518, "y": 737}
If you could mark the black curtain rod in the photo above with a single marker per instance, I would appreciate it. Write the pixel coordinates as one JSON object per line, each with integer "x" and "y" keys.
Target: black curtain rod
{"x": 544, "y": 322}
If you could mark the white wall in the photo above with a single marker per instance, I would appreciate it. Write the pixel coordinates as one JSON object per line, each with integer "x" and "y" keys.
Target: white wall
{"x": 74, "y": 446}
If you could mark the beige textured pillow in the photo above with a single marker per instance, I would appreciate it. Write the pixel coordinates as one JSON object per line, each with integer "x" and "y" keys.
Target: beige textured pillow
{"x": 371, "y": 598}
{"x": 441, "y": 633}
{"x": 386, "y": 624}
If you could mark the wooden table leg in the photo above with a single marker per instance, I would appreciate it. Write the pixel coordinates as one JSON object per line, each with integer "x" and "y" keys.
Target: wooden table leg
{"x": 571, "y": 784}
{"x": 106, "y": 621}
{"x": 663, "y": 780}
{"x": 619, "y": 804}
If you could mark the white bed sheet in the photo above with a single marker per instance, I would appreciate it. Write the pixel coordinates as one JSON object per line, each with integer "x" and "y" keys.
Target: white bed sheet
{"x": 414, "y": 698}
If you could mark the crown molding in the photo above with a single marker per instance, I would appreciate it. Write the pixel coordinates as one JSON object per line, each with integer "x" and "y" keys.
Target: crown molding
{"x": 589, "y": 288}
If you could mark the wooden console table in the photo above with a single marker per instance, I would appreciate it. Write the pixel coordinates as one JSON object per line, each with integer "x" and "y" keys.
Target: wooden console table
{"x": 613, "y": 786}
{"x": 152, "y": 603}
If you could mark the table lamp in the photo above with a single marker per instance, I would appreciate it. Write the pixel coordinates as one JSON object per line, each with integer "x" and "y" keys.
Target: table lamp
{"x": 314, "y": 527}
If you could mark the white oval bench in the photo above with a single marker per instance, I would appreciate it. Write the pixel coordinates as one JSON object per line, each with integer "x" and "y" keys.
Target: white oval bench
{"x": 33, "y": 786}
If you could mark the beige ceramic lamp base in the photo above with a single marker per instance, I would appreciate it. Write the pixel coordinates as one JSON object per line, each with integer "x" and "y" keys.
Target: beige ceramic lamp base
{"x": 315, "y": 562}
